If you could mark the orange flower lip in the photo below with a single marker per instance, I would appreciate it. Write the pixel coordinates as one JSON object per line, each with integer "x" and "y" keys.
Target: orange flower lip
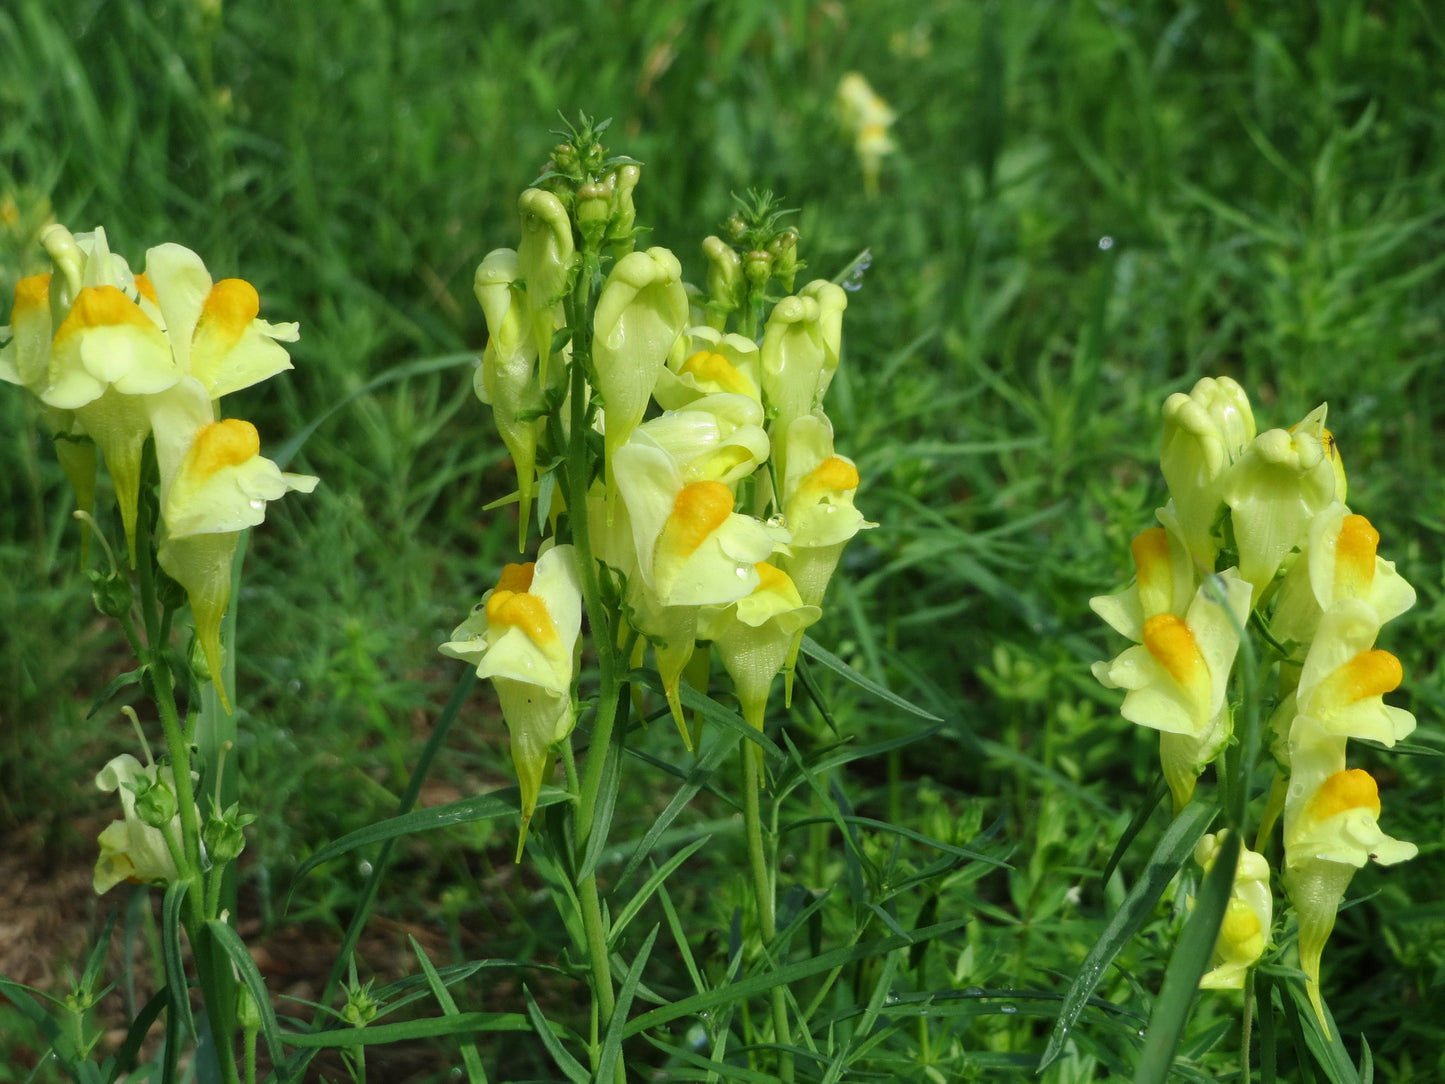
{"x": 102, "y": 306}
{"x": 1343, "y": 791}
{"x": 1172, "y": 643}
{"x": 699, "y": 509}
{"x": 226, "y": 443}
{"x": 1355, "y": 553}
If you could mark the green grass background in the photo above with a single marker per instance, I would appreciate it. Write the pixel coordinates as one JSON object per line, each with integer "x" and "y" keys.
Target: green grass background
{"x": 1268, "y": 178}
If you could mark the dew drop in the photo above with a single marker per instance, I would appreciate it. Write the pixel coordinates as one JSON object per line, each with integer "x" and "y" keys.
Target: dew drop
{"x": 1008, "y": 1010}
{"x": 1106, "y": 243}
{"x": 257, "y": 505}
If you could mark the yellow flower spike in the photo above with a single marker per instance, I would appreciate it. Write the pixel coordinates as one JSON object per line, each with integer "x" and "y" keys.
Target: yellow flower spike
{"x": 1280, "y": 483}
{"x": 641, "y": 312}
{"x": 1248, "y": 917}
{"x": 523, "y": 636}
{"x": 1204, "y": 432}
{"x": 1329, "y": 833}
{"x": 867, "y": 117}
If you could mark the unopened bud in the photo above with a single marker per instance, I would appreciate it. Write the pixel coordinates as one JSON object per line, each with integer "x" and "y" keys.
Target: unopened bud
{"x": 724, "y": 279}
{"x": 594, "y": 208}
{"x": 784, "y": 248}
{"x": 564, "y": 158}
{"x": 155, "y": 805}
{"x": 758, "y": 267}
{"x": 624, "y": 214}
{"x": 224, "y": 836}
{"x": 112, "y": 593}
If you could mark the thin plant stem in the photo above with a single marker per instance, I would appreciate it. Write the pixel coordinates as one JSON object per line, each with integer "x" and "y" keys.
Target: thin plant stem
{"x": 764, "y": 893}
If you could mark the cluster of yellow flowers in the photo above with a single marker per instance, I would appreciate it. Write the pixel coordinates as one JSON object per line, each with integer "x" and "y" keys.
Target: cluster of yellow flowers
{"x": 118, "y": 358}
{"x": 1306, "y": 569}
{"x": 718, "y": 508}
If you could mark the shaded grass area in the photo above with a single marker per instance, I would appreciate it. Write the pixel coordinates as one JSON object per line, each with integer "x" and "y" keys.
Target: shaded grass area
{"x": 1092, "y": 206}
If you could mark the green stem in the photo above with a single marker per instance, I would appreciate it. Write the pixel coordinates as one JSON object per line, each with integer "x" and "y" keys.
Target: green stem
{"x": 579, "y": 471}
{"x": 764, "y": 893}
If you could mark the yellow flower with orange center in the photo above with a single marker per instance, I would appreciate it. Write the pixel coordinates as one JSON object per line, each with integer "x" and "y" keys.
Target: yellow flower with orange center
{"x": 523, "y": 636}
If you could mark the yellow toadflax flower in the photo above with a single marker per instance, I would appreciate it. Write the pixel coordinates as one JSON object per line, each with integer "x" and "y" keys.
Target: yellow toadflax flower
{"x": 523, "y": 636}
{"x": 130, "y": 849}
{"x": 1248, "y": 916}
{"x": 1330, "y": 831}
{"x": 1177, "y": 678}
{"x": 215, "y": 330}
{"x": 214, "y": 484}
{"x": 1340, "y": 561}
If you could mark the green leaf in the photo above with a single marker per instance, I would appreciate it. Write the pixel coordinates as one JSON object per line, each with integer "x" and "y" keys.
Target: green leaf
{"x": 174, "y": 962}
{"x": 1173, "y": 850}
{"x": 651, "y": 885}
{"x": 565, "y": 1061}
{"x": 611, "y": 1053}
{"x": 432, "y": 1028}
{"x": 113, "y": 686}
{"x": 826, "y": 658}
{"x": 1136, "y": 825}
{"x": 1187, "y": 965}
{"x": 470, "y": 1058}
{"x": 607, "y": 789}
{"x": 125, "y": 1059}
{"x": 788, "y": 973}
{"x": 483, "y": 807}
{"x": 231, "y": 944}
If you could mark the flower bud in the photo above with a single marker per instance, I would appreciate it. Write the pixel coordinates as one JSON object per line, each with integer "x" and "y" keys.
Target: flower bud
{"x": 545, "y": 257}
{"x": 758, "y": 268}
{"x": 640, "y": 314}
{"x": 784, "y": 248}
{"x": 155, "y": 804}
{"x": 594, "y": 208}
{"x": 621, "y": 228}
{"x": 224, "y": 835}
{"x": 725, "y": 283}
{"x": 111, "y": 592}
{"x": 1204, "y": 432}
{"x": 1281, "y": 481}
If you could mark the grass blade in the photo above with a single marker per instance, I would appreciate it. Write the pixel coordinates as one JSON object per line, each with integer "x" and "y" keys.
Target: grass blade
{"x": 1187, "y": 965}
{"x": 1174, "y": 848}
